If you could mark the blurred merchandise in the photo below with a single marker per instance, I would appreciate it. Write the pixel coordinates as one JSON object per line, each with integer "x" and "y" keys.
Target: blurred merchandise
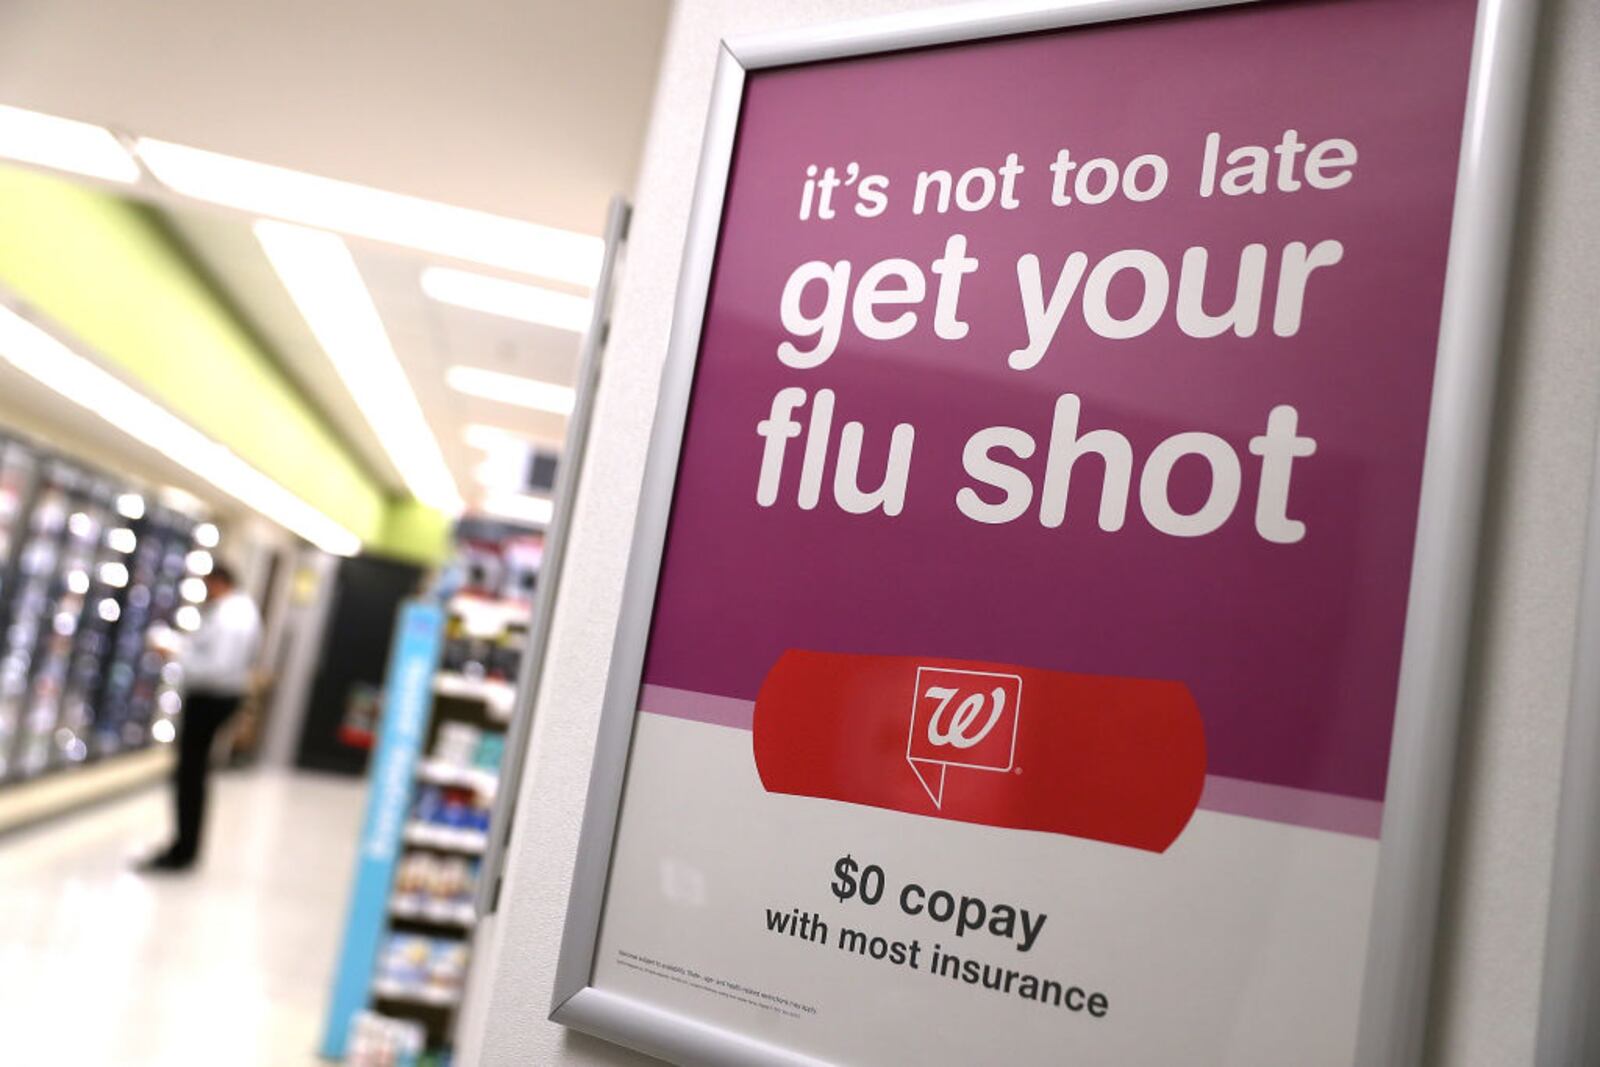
{"x": 496, "y": 560}
{"x": 421, "y": 969}
{"x": 379, "y": 1041}
{"x": 456, "y": 744}
{"x": 435, "y": 888}
{"x": 90, "y": 574}
{"x": 484, "y": 638}
{"x": 361, "y": 709}
{"x": 449, "y": 808}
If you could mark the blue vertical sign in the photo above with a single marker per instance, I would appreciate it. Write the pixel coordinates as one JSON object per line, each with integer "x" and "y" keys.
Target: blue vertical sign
{"x": 407, "y": 702}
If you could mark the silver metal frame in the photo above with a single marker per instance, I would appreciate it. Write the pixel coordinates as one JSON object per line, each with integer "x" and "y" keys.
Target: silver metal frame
{"x": 1439, "y": 607}
{"x": 568, "y": 475}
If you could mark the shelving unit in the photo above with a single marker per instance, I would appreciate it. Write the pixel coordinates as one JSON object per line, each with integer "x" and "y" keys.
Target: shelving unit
{"x": 455, "y": 781}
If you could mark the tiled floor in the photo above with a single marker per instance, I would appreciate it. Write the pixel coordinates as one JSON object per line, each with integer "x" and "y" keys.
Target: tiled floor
{"x": 227, "y": 966}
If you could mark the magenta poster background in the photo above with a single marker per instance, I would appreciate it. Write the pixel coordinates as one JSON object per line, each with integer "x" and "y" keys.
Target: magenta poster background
{"x": 1291, "y": 650}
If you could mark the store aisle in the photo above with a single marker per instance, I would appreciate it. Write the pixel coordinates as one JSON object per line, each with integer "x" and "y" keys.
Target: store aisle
{"x": 230, "y": 965}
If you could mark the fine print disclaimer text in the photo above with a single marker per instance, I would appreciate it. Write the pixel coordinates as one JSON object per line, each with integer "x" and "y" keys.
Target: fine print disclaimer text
{"x": 723, "y": 987}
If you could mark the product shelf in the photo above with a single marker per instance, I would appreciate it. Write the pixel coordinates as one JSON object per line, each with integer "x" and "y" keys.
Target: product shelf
{"x": 446, "y": 838}
{"x": 438, "y": 772}
{"x": 498, "y": 696}
{"x": 431, "y": 996}
{"x": 418, "y": 908}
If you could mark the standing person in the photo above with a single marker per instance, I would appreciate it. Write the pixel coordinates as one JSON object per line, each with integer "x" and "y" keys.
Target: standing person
{"x": 216, "y": 671}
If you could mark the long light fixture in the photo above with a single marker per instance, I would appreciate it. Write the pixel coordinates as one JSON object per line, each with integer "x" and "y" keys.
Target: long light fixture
{"x": 46, "y": 360}
{"x": 321, "y": 276}
{"x": 488, "y": 438}
{"x": 64, "y": 144}
{"x": 508, "y": 299}
{"x": 362, "y": 211}
{"x": 519, "y": 507}
{"x": 511, "y": 389}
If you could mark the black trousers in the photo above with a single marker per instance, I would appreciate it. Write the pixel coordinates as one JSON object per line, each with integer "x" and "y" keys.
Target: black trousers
{"x": 203, "y": 716}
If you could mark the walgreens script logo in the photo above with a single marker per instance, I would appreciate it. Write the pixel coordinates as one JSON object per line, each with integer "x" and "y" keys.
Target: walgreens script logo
{"x": 964, "y": 719}
{"x": 1112, "y": 759}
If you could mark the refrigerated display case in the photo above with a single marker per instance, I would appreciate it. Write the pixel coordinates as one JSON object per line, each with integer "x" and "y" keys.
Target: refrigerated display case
{"x": 18, "y": 469}
{"x": 18, "y": 474}
{"x": 29, "y": 619}
{"x": 86, "y": 569}
{"x": 67, "y": 608}
{"x": 139, "y": 697}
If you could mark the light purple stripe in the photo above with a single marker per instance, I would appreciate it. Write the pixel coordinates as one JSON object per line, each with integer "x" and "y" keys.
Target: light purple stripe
{"x": 1300, "y": 807}
{"x": 1230, "y": 796}
{"x": 700, "y": 707}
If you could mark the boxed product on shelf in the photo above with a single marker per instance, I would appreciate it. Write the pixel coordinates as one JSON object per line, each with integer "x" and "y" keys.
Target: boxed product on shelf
{"x": 505, "y": 656}
{"x": 435, "y": 888}
{"x": 462, "y": 747}
{"x": 380, "y": 1041}
{"x": 457, "y": 744}
{"x": 447, "y": 965}
{"x": 427, "y": 969}
{"x": 457, "y": 809}
{"x": 467, "y": 653}
{"x": 491, "y": 749}
{"x": 484, "y": 637}
{"x": 404, "y": 963}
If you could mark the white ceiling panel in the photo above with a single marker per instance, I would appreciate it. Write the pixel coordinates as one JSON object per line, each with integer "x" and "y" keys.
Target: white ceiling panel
{"x": 533, "y": 109}
{"x": 427, "y": 336}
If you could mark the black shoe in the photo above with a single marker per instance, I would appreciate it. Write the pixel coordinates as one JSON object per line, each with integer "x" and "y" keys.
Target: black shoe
{"x": 168, "y": 862}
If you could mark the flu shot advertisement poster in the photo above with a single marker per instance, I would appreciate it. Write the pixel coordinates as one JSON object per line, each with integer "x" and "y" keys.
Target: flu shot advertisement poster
{"x": 1022, "y": 673}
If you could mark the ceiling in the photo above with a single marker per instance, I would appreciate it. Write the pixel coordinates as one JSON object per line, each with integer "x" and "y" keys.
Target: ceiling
{"x": 530, "y": 108}
{"x": 427, "y": 336}
{"x": 534, "y": 109}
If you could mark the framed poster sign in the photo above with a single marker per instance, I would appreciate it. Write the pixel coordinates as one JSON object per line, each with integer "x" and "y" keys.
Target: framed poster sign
{"x": 1044, "y": 630}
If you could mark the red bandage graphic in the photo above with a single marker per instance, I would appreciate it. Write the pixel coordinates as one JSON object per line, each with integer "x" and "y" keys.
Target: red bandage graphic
{"x": 1120, "y": 760}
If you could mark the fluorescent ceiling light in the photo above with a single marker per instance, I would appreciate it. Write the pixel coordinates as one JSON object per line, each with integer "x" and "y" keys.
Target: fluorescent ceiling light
{"x": 51, "y": 363}
{"x": 519, "y": 507}
{"x": 362, "y": 211}
{"x": 321, "y": 276}
{"x": 505, "y": 471}
{"x": 512, "y": 300}
{"x": 64, "y": 144}
{"x": 489, "y": 438}
{"x": 511, "y": 389}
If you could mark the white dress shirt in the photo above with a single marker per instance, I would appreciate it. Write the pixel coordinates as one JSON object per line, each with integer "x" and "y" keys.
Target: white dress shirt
{"x": 221, "y": 653}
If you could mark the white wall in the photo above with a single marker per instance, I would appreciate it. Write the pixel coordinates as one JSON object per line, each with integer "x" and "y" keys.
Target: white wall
{"x": 1502, "y": 846}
